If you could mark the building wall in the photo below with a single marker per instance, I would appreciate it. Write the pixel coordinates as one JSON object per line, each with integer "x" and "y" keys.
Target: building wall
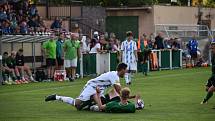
{"x": 145, "y": 19}
{"x": 180, "y": 15}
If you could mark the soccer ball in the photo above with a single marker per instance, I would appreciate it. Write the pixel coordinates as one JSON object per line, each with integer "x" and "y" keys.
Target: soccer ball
{"x": 139, "y": 104}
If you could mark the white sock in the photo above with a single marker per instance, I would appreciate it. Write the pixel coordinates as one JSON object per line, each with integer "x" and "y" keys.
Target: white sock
{"x": 127, "y": 78}
{"x": 130, "y": 76}
{"x": 67, "y": 100}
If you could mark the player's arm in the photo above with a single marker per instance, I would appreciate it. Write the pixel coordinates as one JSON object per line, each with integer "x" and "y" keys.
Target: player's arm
{"x": 135, "y": 51}
{"x": 117, "y": 87}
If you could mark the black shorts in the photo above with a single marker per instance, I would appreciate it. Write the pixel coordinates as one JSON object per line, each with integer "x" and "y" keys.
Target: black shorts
{"x": 60, "y": 61}
{"x": 193, "y": 54}
{"x": 211, "y": 81}
{"x": 50, "y": 62}
{"x": 107, "y": 99}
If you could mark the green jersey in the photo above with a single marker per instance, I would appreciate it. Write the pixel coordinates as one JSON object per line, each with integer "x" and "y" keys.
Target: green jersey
{"x": 11, "y": 62}
{"x": 71, "y": 49}
{"x": 50, "y": 47}
{"x": 117, "y": 107}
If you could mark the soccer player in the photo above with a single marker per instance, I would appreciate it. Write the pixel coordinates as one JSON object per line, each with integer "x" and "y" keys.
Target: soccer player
{"x": 20, "y": 65}
{"x": 118, "y": 104}
{"x": 210, "y": 86}
{"x": 6, "y": 71}
{"x": 49, "y": 48}
{"x": 89, "y": 91}
{"x": 129, "y": 56}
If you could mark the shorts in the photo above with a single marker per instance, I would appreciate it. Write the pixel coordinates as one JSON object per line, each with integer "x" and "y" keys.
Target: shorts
{"x": 211, "y": 81}
{"x": 70, "y": 63}
{"x": 132, "y": 66}
{"x": 60, "y": 61}
{"x": 86, "y": 93}
{"x": 50, "y": 62}
{"x": 193, "y": 54}
{"x": 107, "y": 99}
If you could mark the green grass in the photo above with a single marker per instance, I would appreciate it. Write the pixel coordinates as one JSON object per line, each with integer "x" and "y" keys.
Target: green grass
{"x": 168, "y": 95}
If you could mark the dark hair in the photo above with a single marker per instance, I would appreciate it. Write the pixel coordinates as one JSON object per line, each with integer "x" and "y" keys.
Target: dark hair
{"x": 5, "y": 53}
{"x": 121, "y": 66}
{"x": 21, "y": 50}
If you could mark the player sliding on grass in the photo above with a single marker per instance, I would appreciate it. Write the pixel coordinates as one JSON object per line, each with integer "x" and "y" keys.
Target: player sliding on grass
{"x": 119, "y": 104}
{"x": 210, "y": 86}
{"x": 89, "y": 91}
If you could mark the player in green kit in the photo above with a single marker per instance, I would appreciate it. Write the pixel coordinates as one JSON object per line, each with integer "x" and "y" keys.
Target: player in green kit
{"x": 119, "y": 104}
{"x": 210, "y": 86}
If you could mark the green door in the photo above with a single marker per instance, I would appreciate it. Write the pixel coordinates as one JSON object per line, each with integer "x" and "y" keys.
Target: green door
{"x": 121, "y": 24}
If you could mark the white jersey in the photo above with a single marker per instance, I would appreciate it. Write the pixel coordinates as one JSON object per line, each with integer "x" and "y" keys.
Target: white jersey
{"x": 102, "y": 82}
{"x": 128, "y": 51}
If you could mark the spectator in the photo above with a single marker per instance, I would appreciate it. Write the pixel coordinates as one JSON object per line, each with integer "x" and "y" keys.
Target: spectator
{"x": 175, "y": 44}
{"x": 59, "y": 51}
{"x": 104, "y": 44}
{"x": 113, "y": 45}
{"x": 168, "y": 43}
{"x": 6, "y": 29}
{"x": 143, "y": 53}
{"x": 57, "y": 23}
{"x": 3, "y": 15}
{"x": 94, "y": 46}
{"x": 49, "y": 48}
{"x": 193, "y": 48}
{"x": 72, "y": 53}
{"x": 20, "y": 65}
{"x": 33, "y": 22}
{"x": 33, "y": 10}
{"x": 23, "y": 28}
{"x": 159, "y": 41}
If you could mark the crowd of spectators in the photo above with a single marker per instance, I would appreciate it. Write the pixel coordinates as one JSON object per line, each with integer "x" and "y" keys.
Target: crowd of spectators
{"x": 22, "y": 17}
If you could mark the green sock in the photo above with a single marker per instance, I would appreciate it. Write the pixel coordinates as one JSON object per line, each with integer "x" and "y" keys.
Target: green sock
{"x": 145, "y": 68}
{"x": 208, "y": 96}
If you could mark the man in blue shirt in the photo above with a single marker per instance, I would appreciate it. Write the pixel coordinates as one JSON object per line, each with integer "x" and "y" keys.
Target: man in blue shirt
{"x": 193, "y": 47}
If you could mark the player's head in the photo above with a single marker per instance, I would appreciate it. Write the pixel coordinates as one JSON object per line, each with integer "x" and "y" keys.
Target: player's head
{"x": 121, "y": 69}
{"x": 20, "y": 51}
{"x": 5, "y": 55}
{"x": 213, "y": 47}
{"x": 125, "y": 92}
{"x": 129, "y": 35}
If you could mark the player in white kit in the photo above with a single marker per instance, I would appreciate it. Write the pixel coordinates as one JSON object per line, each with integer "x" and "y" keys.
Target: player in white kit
{"x": 88, "y": 94}
{"x": 129, "y": 56}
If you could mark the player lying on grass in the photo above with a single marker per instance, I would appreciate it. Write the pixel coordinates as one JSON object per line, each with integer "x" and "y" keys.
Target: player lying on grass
{"x": 210, "y": 86}
{"x": 89, "y": 91}
{"x": 119, "y": 104}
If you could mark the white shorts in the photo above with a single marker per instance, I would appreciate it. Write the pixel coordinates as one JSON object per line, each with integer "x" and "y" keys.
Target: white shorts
{"x": 70, "y": 63}
{"x": 86, "y": 93}
{"x": 132, "y": 66}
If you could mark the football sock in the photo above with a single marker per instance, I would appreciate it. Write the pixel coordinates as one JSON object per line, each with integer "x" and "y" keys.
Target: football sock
{"x": 208, "y": 96}
{"x": 67, "y": 100}
{"x": 127, "y": 78}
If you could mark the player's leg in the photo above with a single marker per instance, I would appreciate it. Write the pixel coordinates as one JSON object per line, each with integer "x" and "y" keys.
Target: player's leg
{"x": 210, "y": 89}
{"x": 73, "y": 68}
{"x": 68, "y": 100}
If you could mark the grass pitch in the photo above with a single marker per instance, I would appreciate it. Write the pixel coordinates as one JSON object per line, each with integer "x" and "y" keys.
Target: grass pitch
{"x": 168, "y": 95}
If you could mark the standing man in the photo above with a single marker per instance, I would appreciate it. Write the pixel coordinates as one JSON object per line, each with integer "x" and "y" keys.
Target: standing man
{"x": 159, "y": 41}
{"x": 129, "y": 56}
{"x": 193, "y": 48}
{"x": 59, "y": 51}
{"x": 144, "y": 53}
{"x": 72, "y": 54}
{"x": 49, "y": 48}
